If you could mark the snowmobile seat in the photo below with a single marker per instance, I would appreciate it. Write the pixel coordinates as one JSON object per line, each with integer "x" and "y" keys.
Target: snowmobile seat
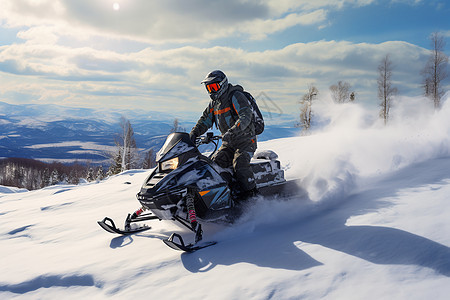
{"x": 266, "y": 168}
{"x": 265, "y": 154}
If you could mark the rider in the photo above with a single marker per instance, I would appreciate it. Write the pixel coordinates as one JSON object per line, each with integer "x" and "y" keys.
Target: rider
{"x": 233, "y": 115}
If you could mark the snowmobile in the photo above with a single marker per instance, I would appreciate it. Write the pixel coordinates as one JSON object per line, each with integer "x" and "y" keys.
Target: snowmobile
{"x": 190, "y": 188}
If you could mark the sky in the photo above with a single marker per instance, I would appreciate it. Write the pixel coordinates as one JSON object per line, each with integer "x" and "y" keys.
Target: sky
{"x": 151, "y": 55}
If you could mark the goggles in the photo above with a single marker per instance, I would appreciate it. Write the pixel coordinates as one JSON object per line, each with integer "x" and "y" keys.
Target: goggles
{"x": 212, "y": 87}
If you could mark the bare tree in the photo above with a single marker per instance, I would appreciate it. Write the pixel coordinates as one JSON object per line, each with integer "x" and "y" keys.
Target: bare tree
{"x": 149, "y": 160}
{"x": 435, "y": 70}
{"x": 341, "y": 92}
{"x": 306, "y": 108}
{"x": 175, "y": 125}
{"x": 385, "y": 89}
{"x": 126, "y": 156}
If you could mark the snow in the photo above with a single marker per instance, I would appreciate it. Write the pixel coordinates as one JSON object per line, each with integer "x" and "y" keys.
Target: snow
{"x": 375, "y": 224}
{"x": 82, "y": 145}
{"x": 8, "y": 189}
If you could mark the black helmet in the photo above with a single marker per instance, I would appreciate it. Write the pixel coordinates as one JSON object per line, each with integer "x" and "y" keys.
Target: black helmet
{"x": 216, "y": 83}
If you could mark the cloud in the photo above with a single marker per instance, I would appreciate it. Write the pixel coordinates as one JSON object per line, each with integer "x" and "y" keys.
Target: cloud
{"x": 171, "y": 78}
{"x": 411, "y": 2}
{"x": 260, "y": 29}
{"x": 147, "y": 54}
{"x": 156, "y": 21}
{"x": 308, "y": 5}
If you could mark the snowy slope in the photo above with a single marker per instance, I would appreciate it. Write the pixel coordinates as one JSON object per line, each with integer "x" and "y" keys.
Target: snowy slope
{"x": 376, "y": 225}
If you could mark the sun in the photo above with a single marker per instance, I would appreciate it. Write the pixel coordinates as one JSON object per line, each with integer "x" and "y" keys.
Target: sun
{"x": 116, "y": 6}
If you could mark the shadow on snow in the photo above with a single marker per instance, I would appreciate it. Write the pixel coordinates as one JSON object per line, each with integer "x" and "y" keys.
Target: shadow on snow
{"x": 48, "y": 281}
{"x": 272, "y": 245}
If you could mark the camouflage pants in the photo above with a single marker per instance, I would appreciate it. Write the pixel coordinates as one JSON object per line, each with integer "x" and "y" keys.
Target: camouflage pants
{"x": 239, "y": 159}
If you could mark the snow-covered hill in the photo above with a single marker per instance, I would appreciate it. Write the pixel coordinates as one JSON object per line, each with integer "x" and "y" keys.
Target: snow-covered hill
{"x": 375, "y": 225}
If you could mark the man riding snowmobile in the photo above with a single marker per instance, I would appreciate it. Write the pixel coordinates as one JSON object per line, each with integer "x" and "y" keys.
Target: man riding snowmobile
{"x": 232, "y": 113}
{"x": 190, "y": 188}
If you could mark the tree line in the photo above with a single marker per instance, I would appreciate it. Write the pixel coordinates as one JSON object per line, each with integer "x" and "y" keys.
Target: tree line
{"x": 434, "y": 73}
{"x": 33, "y": 174}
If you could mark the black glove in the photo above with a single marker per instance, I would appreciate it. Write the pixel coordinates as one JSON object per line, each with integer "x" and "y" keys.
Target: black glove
{"x": 193, "y": 137}
{"x": 227, "y": 137}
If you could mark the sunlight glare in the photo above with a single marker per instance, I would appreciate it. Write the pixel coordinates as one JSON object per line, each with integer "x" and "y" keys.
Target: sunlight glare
{"x": 116, "y": 6}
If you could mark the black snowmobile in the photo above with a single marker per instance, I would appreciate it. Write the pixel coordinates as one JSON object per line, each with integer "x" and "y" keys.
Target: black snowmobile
{"x": 188, "y": 187}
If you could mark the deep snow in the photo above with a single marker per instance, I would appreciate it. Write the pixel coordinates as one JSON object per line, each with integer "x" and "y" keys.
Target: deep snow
{"x": 375, "y": 225}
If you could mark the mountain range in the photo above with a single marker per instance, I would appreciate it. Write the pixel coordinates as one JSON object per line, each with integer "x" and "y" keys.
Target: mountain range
{"x": 65, "y": 134}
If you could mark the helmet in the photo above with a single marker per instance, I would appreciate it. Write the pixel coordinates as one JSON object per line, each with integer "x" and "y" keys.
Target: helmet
{"x": 216, "y": 83}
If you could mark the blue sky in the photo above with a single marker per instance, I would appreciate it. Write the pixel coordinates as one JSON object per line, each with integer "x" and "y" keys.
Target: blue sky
{"x": 151, "y": 55}
{"x": 380, "y": 22}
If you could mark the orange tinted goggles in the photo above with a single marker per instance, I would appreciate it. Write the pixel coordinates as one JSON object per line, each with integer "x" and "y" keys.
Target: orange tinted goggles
{"x": 213, "y": 87}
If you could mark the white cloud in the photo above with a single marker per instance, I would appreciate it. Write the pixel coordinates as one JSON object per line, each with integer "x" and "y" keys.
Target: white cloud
{"x": 163, "y": 21}
{"x": 171, "y": 78}
{"x": 446, "y": 33}
{"x": 411, "y": 2}
{"x": 260, "y": 29}
{"x": 66, "y": 57}
{"x": 308, "y": 5}
{"x": 39, "y": 35}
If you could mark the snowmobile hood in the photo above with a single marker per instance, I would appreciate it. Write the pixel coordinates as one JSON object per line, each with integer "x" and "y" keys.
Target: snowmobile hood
{"x": 176, "y": 144}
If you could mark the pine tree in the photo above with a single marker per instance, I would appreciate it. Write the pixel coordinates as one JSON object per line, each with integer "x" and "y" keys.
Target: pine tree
{"x": 54, "y": 177}
{"x": 100, "y": 175}
{"x": 90, "y": 175}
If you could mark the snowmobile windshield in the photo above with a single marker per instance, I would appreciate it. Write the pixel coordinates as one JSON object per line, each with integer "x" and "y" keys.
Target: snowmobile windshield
{"x": 176, "y": 144}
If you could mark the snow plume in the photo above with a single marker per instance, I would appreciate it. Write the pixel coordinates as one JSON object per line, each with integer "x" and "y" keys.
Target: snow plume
{"x": 346, "y": 155}
{"x": 355, "y": 144}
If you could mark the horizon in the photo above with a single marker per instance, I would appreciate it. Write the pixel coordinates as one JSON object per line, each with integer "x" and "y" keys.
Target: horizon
{"x": 134, "y": 54}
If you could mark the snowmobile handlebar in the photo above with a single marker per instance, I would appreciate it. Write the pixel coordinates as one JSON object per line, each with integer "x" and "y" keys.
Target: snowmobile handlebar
{"x": 209, "y": 137}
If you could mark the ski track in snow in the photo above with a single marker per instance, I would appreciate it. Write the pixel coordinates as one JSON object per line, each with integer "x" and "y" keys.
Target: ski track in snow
{"x": 372, "y": 222}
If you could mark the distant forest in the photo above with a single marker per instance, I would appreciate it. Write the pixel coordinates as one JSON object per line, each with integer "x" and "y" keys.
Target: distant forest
{"x": 32, "y": 174}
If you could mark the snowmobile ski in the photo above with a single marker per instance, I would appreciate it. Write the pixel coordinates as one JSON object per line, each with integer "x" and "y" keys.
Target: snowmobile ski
{"x": 108, "y": 225}
{"x": 180, "y": 246}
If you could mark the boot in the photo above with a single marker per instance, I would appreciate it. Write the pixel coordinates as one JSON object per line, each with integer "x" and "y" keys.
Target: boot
{"x": 245, "y": 195}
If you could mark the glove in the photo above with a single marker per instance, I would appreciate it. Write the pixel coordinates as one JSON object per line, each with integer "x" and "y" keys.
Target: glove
{"x": 227, "y": 137}
{"x": 193, "y": 137}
